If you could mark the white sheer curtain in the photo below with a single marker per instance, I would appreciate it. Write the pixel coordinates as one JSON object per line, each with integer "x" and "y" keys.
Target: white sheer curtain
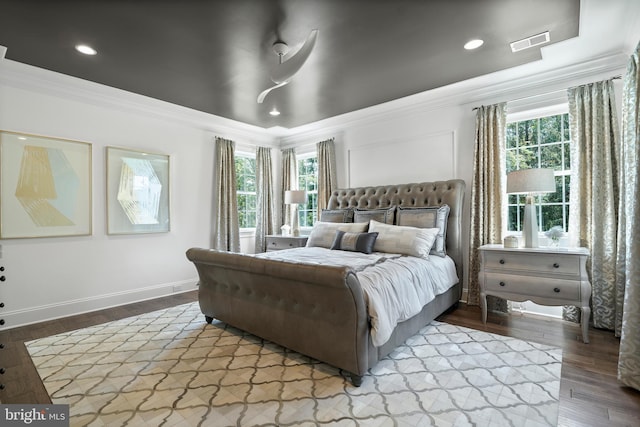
{"x": 226, "y": 229}
{"x": 594, "y": 200}
{"x": 628, "y": 265}
{"x": 487, "y": 193}
{"x": 289, "y": 182}
{"x": 265, "y": 213}
{"x": 327, "y": 178}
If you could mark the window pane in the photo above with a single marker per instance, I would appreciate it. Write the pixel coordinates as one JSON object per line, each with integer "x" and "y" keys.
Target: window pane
{"x": 512, "y": 160}
{"x": 565, "y": 127}
{"x": 551, "y": 156}
{"x": 550, "y": 129}
{"x": 512, "y": 221}
{"x": 567, "y": 156}
{"x": 512, "y": 135}
{"x": 567, "y": 187}
{"x": 551, "y": 216}
{"x": 528, "y": 157}
{"x": 528, "y": 132}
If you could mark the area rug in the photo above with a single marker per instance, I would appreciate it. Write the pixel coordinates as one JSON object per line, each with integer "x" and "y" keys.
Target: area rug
{"x": 171, "y": 368}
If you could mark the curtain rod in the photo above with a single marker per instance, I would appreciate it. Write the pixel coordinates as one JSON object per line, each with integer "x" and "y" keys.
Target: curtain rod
{"x": 617, "y": 77}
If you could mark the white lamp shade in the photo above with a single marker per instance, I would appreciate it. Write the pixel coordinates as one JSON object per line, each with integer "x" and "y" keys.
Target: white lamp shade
{"x": 295, "y": 197}
{"x": 531, "y": 181}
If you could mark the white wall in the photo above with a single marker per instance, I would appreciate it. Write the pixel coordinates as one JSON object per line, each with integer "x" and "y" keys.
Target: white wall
{"x": 59, "y": 276}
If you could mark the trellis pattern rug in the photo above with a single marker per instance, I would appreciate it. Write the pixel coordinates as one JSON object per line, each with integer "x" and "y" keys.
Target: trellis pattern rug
{"x": 170, "y": 368}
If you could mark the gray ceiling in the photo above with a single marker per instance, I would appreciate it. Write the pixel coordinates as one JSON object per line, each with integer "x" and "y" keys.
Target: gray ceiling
{"x": 215, "y": 56}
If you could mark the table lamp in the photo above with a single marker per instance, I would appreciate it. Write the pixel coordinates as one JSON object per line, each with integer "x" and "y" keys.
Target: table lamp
{"x": 530, "y": 182}
{"x": 294, "y": 198}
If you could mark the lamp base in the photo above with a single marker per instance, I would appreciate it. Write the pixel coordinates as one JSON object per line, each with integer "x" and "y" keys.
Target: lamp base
{"x": 530, "y": 226}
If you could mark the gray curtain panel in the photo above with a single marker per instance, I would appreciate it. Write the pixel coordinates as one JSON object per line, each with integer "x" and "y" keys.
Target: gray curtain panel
{"x": 289, "y": 182}
{"x": 594, "y": 199}
{"x": 265, "y": 212}
{"x": 629, "y": 230}
{"x": 487, "y": 193}
{"x": 227, "y": 230}
{"x": 327, "y": 177}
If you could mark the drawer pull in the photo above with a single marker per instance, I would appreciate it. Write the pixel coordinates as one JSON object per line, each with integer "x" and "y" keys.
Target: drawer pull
{"x": 290, "y": 244}
{"x": 556, "y": 265}
{"x": 501, "y": 261}
{"x": 502, "y": 284}
{"x": 556, "y": 290}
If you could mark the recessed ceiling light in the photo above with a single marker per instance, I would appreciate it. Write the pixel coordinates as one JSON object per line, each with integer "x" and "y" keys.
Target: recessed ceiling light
{"x": 274, "y": 112}
{"x": 473, "y": 44}
{"x": 87, "y": 50}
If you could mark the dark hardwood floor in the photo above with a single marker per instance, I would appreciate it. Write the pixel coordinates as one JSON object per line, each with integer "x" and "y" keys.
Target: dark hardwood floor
{"x": 590, "y": 394}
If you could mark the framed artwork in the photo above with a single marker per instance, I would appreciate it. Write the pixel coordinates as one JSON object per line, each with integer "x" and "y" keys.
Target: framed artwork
{"x": 45, "y": 186}
{"x": 137, "y": 192}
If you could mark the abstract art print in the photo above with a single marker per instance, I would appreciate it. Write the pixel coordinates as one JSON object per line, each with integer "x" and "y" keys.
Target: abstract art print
{"x": 45, "y": 186}
{"x": 137, "y": 192}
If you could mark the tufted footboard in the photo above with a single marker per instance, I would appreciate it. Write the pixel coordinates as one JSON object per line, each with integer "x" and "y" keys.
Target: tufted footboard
{"x": 315, "y": 310}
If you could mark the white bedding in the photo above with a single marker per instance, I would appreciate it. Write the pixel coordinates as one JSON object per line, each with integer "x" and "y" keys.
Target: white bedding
{"x": 396, "y": 287}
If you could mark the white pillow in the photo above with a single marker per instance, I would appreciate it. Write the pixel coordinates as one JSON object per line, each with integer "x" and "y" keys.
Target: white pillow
{"x": 323, "y": 233}
{"x": 399, "y": 239}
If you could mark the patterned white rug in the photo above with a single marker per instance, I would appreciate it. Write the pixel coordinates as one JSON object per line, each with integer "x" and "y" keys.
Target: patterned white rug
{"x": 171, "y": 368}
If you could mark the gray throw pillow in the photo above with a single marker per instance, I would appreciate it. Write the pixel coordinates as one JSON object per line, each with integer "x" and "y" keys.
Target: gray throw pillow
{"x": 336, "y": 215}
{"x": 354, "y": 242}
{"x": 384, "y": 216}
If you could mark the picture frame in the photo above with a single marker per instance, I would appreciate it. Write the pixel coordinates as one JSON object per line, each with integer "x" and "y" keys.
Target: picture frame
{"x": 138, "y": 192}
{"x": 45, "y": 186}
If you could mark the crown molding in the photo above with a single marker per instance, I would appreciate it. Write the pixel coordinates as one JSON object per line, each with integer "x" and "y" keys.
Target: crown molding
{"x": 30, "y": 78}
{"x": 502, "y": 86}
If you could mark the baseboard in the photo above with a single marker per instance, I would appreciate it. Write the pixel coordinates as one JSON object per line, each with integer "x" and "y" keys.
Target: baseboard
{"x": 14, "y": 319}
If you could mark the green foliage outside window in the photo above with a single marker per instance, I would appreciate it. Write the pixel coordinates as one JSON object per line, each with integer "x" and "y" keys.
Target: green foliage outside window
{"x": 541, "y": 143}
{"x": 246, "y": 190}
{"x": 308, "y": 180}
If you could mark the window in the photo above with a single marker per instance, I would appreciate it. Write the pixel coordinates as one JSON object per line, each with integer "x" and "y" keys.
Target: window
{"x": 308, "y": 180}
{"x": 541, "y": 142}
{"x": 246, "y": 189}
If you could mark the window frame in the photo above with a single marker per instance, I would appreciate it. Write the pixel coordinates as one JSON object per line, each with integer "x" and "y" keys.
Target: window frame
{"x": 252, "y": 156}
{"x": 521, "y": 116}
{"x": 311, "y": 194}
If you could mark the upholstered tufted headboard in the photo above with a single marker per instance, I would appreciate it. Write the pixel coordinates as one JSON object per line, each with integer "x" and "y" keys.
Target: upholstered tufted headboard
{"x": 422, "y": 194}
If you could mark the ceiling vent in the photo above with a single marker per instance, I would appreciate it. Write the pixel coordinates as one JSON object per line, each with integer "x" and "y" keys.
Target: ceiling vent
{"x": 532, "y": 41}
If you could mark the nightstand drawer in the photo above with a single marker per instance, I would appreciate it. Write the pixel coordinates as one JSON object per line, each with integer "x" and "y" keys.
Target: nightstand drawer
{"x": 276, "y": 243}
{"x": 560, "y": 264}
{"x": 533, "y": 286}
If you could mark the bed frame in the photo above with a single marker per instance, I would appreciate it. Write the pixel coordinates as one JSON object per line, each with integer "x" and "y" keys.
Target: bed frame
{"x": 320, "y": 311}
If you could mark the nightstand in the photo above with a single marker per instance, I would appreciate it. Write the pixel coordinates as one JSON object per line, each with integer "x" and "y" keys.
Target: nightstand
{"x": 277, "y": 242}
{"x": 546, "y": 276}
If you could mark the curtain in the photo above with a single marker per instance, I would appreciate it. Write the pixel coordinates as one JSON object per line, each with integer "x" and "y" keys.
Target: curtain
{"x": 289, "y": 182}
{"x": 327, "y": 179}
{"x": 629, "y": 230}
{"x": 227, "y": 230}
{"x": 265, "y": 214}
{"x": 594, "y": 198}
{"x": 487, "y": 193}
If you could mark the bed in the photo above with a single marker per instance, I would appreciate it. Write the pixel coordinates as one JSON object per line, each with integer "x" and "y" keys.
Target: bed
{"x": 320, "y": 310}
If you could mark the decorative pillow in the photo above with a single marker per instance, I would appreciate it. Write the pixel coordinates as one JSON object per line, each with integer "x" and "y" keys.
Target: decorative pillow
{"x": 399, "y": 239}
{"x": 435, "y": 217}
{"x": 354, "y": 242}
{"x": 381, "y": 215}
{"x": 336, "y": 215}
{"x": 323, "y": 233}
